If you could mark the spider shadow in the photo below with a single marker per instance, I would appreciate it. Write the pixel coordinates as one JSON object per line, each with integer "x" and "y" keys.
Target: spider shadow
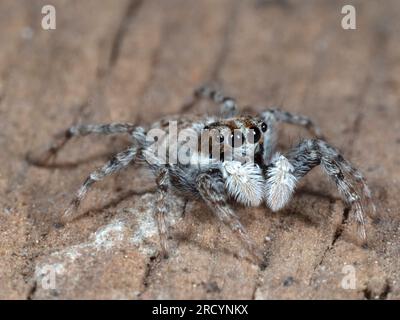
{"x": 180, "y": 236}
{"x": 304, "y": 211}
{"x": 33, "y": 157}
{"x": 30, "y": 159}
{"x": 110, "y": 204}
{"x": 295, "y": 212}
{"x": 202, "y": 215}
{"x": 316, "y": 193}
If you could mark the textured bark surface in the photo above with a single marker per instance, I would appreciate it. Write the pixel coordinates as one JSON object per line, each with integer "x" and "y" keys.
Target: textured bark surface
{"x": 135, "y": 60}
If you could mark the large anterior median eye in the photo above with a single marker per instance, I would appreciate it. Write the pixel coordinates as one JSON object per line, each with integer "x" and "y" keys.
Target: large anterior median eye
{"x": 254, "y": 135}
{"x": 236, "y": 139}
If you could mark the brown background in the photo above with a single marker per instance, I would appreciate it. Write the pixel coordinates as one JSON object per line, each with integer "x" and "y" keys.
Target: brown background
{"x": 135, "y": 60}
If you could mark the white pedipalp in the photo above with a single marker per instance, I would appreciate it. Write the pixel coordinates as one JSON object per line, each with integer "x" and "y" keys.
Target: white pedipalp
{"x": 280, "y": 182}
{"x": 244, "y": 182}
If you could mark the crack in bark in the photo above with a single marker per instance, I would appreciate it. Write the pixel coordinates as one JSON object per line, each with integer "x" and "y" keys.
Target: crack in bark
{"x": 114, "y": 53}
{"x": 226, "y": 42}
{"x": 337, "y": 234}
{"x": 339, "y": 230}
{"x": 154, "y": 62}
{"x": 357, "y": 122}
{"x": 378, "y": 49}
{"x": 184, "y": 208}
{"x": 29, "y": 276}
{"x": 153, "y": 263}
{"x": 32, "y": 291}
{"x": 130, "y": 12}
{"x": 285, "y": 4}
{"x": 257, "y": 285}
{"x": 222, "y": 55}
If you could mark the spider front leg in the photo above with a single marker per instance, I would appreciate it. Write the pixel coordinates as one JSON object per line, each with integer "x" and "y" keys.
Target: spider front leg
{"x": 162, "y": 181}
{"x": 273, "y": 116}
{"x": 75, "y": 131}
{"x": 276, "y": 115}
{"x": 284, "y": 172}
{"x": 228, "y": 104}
{"x": 118, "y": 162}
{"x": 212, "y": 190}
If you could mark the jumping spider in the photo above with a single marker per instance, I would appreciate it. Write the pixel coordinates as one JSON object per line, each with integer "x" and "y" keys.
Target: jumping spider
{"x": 268, "y": 176}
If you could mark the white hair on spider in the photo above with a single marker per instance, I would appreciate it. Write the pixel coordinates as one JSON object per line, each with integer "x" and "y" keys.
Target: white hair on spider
{"x": 244, "y": 182}
{"x": 281, "y": 182}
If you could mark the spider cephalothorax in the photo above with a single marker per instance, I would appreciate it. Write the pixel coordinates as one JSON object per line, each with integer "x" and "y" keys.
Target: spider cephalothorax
{"x": 239, "y": 138}
{"x": 224, "y": 159}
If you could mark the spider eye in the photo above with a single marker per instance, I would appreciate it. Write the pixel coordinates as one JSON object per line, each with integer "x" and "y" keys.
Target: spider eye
{"x": 254, "y": 135}
{"x": 264, "y": 127}
{"x": 221, "y": 138}
{"x": 237, "y": 139}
